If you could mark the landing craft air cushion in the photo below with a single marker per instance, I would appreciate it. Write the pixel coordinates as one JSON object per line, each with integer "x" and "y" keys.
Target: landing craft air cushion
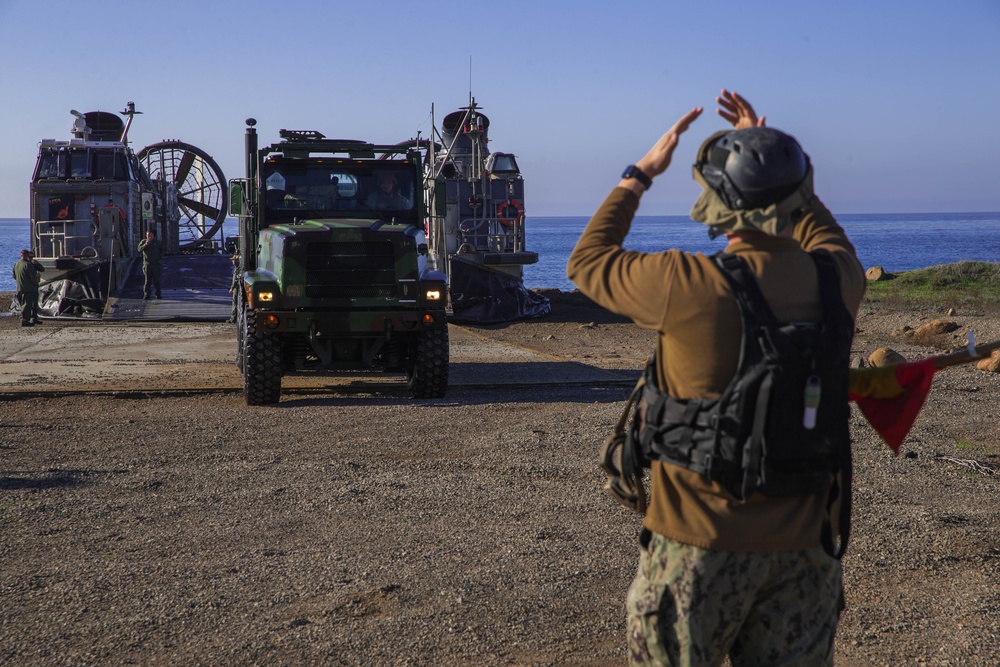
{"x": 93, "y": 199}
{"x": 476, "y": 222}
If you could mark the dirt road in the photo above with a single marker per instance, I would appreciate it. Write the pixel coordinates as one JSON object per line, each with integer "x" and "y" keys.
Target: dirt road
{"x": 350, "y": 525}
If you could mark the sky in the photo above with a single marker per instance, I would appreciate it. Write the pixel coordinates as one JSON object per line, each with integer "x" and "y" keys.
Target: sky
{"x": 896, "y": 101}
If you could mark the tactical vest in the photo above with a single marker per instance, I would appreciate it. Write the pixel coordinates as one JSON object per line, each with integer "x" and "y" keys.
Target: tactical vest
{"x": 780, "y": 428}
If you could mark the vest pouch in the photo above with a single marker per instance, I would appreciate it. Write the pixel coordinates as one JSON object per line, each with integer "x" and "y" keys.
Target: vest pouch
{"x": 686, "y": 433}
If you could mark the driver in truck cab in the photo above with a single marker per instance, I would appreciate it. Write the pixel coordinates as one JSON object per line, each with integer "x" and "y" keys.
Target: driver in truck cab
{"x": 387, "y": 196}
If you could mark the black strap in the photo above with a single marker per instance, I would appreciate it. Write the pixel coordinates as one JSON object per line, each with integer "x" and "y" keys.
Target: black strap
{"x": 831, "y": 297}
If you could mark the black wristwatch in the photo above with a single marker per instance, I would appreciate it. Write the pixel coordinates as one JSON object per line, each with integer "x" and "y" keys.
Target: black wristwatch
{"x": 633, "y": 171}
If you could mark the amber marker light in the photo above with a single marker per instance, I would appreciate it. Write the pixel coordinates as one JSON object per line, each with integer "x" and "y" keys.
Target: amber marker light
{"x": 428, "y": 319}
{"x": 272, "y": 321}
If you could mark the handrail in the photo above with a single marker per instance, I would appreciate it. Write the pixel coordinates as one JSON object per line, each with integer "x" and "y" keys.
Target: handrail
{"x": 58, "y": 238}
{"x": 500, "y": 238}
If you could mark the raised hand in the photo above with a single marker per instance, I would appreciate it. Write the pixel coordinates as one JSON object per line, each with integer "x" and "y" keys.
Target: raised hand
{"x": 737, "y": 111}
{"x": 656, "y": 161}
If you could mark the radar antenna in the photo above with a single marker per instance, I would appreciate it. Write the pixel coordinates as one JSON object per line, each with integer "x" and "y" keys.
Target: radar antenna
{"x": 129, "y": 112}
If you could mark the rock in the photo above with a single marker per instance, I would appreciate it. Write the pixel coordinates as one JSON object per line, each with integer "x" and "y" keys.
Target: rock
{"x": 885, "y": 356}
{"x": 990, "y": 364}
{"x": 905, "y": 330}
{"x": 877, "y": 273}
{"x": 936, "y": 328}
{"x": 951, "y": 312}
{"x": 859, "y": 362}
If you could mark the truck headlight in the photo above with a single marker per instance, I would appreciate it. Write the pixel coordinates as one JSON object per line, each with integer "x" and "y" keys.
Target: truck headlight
{"x": 433, "y": 295}
{"x": 265, "y": 297}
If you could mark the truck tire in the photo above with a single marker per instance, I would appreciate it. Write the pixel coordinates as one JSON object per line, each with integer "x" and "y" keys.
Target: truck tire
{"x": 261, "y": 365}
{"x": 428, "y": 378}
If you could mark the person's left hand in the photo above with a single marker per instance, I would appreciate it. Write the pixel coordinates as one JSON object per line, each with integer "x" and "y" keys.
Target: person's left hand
{"x": 737, "y": 111}
{"x": 656, "y": 161}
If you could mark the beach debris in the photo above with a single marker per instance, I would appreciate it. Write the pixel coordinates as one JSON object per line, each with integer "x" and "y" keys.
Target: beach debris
{"x": 972, "y": 464}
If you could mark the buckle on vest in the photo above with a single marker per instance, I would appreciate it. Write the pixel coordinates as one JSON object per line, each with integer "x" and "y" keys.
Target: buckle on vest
{"x": 718, "y": 422}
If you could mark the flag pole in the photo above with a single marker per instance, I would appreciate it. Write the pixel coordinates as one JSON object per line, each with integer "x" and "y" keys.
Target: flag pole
{"x": 968, "y": 355}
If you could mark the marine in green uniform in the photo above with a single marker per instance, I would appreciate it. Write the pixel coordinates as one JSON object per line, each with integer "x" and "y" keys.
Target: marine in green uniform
{"x": 152, "y": 251}
{"x": 26, "y": 275}
{"x": 234, "y": 286}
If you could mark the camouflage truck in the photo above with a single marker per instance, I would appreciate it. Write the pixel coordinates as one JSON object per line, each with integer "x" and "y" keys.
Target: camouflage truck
{"x": 333, "y": 260}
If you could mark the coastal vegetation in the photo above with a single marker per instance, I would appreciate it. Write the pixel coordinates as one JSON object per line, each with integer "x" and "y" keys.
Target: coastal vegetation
{"x": 961, "y": 284}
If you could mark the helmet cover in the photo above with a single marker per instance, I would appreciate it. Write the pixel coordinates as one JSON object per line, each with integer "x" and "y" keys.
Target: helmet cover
{"x": 753, "y": 178}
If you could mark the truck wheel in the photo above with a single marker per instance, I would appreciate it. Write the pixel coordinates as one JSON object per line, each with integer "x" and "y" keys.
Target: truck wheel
{"x": 429, "y": 373}
{"x": 261, "y": 365}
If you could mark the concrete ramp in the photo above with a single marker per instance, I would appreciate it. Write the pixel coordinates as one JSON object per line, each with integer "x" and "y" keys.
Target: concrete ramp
{"x": 163, "y": 356}
{"x": 195, "y": 289}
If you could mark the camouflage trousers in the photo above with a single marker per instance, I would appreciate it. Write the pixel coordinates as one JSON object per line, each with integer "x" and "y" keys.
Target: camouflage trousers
{"x": 690, "y": 606}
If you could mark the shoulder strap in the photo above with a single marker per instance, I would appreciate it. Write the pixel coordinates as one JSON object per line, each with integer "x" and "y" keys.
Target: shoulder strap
{"x": 835, "y": 317}
{"x": 744, "y": 285}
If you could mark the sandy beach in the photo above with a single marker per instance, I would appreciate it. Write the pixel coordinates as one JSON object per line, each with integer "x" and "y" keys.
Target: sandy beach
{"x": 150, "y": 517}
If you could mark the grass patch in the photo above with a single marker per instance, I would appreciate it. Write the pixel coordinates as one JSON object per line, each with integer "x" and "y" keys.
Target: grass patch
{"x": 962, "y": 445}
{"x": 962, "y": 283}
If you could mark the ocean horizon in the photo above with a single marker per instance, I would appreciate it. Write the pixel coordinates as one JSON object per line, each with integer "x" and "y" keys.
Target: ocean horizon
{"x": 895, "y": 241}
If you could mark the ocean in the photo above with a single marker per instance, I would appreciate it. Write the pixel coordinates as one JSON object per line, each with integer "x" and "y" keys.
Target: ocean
{"x": 894, "y": 241}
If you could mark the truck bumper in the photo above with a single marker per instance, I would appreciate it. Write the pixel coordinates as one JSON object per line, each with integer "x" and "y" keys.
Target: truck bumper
{"x": 348, "y": 325}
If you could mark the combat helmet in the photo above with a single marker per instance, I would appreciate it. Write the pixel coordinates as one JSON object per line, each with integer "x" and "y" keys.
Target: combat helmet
{"x": 753, "y": 178}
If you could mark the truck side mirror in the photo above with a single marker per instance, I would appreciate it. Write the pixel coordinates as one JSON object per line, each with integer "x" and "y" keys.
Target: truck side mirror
{"x": 236, "y": 193}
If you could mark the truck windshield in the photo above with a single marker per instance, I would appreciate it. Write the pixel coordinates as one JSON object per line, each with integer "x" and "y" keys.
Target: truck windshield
{"x": 336, "y": 189}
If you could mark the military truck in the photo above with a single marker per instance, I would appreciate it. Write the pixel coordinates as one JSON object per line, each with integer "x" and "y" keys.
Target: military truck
{"x": 333, "y": 265}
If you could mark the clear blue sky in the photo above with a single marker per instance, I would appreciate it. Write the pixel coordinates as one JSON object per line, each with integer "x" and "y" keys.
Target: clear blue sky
{"x": 897, "y": 101}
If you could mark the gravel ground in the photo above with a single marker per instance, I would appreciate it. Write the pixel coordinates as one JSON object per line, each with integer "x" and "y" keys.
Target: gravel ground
{"x": 368, "y": 529}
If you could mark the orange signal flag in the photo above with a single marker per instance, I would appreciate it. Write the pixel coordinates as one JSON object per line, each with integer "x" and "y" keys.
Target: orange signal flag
{"x": 890, "y": 397}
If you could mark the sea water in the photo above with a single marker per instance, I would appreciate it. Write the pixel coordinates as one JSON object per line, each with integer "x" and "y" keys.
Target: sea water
{"x": 894, "y": 241}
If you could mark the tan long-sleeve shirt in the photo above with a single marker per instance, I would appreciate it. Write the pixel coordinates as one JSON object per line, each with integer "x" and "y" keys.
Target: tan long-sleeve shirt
{"x": 685, "y": 298}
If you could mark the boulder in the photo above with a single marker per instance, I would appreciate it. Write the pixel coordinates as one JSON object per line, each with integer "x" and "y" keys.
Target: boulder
{"x": 885, "y": 356}
{"x": 877, "y": 273}
{"x": 936, "y": 328}
{"x": 990, "y": 364}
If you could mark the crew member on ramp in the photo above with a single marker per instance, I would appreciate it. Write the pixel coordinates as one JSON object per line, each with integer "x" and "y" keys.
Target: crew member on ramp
{"x": 152, "y": 252}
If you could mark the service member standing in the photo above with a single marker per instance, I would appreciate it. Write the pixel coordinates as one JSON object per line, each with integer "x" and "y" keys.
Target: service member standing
{"x": 718, "y": 575}
{"x": 234, "y": 286}
{"x": 152, "y": 252}
{"x": 27, "y": 277}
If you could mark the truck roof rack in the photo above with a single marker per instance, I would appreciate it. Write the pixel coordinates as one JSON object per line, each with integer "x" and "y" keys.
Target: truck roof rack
{"x": 300, "y": 135}
{"x": 306, "y": 143}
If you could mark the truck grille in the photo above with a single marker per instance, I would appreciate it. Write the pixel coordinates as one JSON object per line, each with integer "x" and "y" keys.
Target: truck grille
{"x": 350, "y": 269}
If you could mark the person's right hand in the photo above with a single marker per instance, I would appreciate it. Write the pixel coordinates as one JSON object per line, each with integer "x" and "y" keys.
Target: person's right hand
{"x": 737, "y": 111}
{"x": 656, "y": 161}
